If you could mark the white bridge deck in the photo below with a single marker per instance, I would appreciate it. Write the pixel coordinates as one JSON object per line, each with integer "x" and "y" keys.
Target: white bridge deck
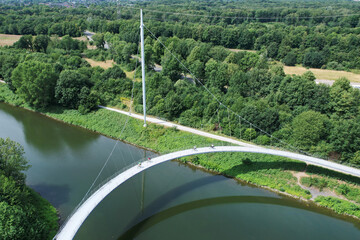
{"x": 76, "y": 220}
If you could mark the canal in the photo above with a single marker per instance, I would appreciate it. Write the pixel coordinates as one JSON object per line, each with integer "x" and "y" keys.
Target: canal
{"x": 169, "y": 201}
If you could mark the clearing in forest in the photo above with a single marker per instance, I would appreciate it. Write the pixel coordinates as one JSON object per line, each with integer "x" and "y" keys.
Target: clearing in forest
{"x": 323, "y": 73}
{"x": 8, "y": 39}
{"x": 103, "y": 64}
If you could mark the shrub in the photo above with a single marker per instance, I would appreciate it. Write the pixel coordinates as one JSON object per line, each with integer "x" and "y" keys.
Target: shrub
{"x": 290, "y": 59}
{"x": 313, "y": 59}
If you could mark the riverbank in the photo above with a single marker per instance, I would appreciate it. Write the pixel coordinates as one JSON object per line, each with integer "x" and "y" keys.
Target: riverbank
{"x": 269, "y": 171}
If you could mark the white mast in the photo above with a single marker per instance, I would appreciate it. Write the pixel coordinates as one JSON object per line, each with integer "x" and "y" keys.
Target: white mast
{"x": 143, "y": 64}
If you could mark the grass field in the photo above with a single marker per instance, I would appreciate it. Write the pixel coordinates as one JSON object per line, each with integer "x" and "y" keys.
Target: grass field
{"x": 108, "y": 64}
{"x": 323, "y": 73}
{"x": 241, "y": 50}
{"x": 104, "y": 64}
{"x": 8, "y": 40}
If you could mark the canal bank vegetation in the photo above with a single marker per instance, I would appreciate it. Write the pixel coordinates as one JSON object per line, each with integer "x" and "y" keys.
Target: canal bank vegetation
{"x": 24, "y": 214}
{"x": 263, "y": 170}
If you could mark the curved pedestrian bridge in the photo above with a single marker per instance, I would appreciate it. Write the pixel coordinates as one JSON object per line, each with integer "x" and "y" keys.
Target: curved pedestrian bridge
{"x": 71, "y": 226}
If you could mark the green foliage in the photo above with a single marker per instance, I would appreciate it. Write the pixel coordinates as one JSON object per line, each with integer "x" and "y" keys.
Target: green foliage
{"x": 263, "y": 140}
{"x": 309, "y": 128}
{"x": 12, "y": 161}
{"x": 35, "y": 82}
{"x": 23, "y": 213}
{"x": 40, "y": 43}
{"x": 68, "y": 88}
{"x": 249, "y": 134}
{"x": 264, "y": 170}
{"x": 290, "y": 59}
{"x": 339, "y": 206}
{"x": 99, "y": 40}
{"x": 25, "y": 42}
{"x": 313, "y": 59}
{"x": 319, "y": 183}
{"x": 356, "y": 159}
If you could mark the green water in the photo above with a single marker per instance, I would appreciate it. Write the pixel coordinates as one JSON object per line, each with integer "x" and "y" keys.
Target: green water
{"x": 169, "y": 201}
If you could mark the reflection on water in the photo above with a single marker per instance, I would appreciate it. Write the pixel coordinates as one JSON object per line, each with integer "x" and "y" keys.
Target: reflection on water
{"x": 45, "y": 135}
{"x": 55, "y": 194}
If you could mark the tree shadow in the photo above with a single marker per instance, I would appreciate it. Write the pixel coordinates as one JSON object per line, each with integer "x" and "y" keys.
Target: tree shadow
{"x": 49, "y": 135}
{"x": 256, "y": 166}
{"x": 55, "y": 194}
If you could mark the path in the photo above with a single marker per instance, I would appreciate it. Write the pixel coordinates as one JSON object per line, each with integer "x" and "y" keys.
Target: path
{"x": 331, "y": 82}
{"x": 89, "y": 35}
{"x": 181, "y": 128}
{"x": 75, "y": 221}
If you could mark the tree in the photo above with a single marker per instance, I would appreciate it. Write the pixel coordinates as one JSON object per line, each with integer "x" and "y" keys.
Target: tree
{"x": 41, "y": 42}
{"x": 313, "y": 59}
{"x": 344, "y": 137}
{"x": 308, "y": 128}
{"x": 35, "y": 82}
{"x": 114, "y": 72}
{"x": 88, "y": 100}
{"x": 24, "y": 42}
{"x": 308, "y": 75}
{"x": 171, "y": 66}
{"x": 290, "y": 59}
{"x": 68, "y": 88}
{"x": 12, "y": 161}
{"x": 99, "y": 40}
{"x": 344, "y": 99}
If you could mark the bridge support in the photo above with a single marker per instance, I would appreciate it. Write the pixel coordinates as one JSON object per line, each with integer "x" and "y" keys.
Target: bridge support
{"x": 143, "y": 64}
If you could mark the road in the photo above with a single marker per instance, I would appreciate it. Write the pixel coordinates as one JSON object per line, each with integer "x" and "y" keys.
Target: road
{"x": 331, "y": 82}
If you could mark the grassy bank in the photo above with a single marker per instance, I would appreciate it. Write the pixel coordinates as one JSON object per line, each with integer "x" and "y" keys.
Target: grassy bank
{"x": 46, "y": 212}
{"x": 263, "y": 170}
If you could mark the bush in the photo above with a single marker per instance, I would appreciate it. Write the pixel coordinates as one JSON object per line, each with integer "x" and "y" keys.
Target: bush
{"x": 290, "y": 59}
{"x": 247, "y": 161}
{"x": 335, "y": 66}
{"x": 313, "y": 59}
{"x": 262, "y": 140}
{"x": 249, "y": 134}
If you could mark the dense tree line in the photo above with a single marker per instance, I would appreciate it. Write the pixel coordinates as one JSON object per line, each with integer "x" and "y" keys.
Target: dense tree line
{"x": 322, "y": 34}
{"x": 23, "y": 213}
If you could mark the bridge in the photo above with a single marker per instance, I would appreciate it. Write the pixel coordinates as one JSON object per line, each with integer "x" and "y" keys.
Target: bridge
{"x": 73, "y": 224}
